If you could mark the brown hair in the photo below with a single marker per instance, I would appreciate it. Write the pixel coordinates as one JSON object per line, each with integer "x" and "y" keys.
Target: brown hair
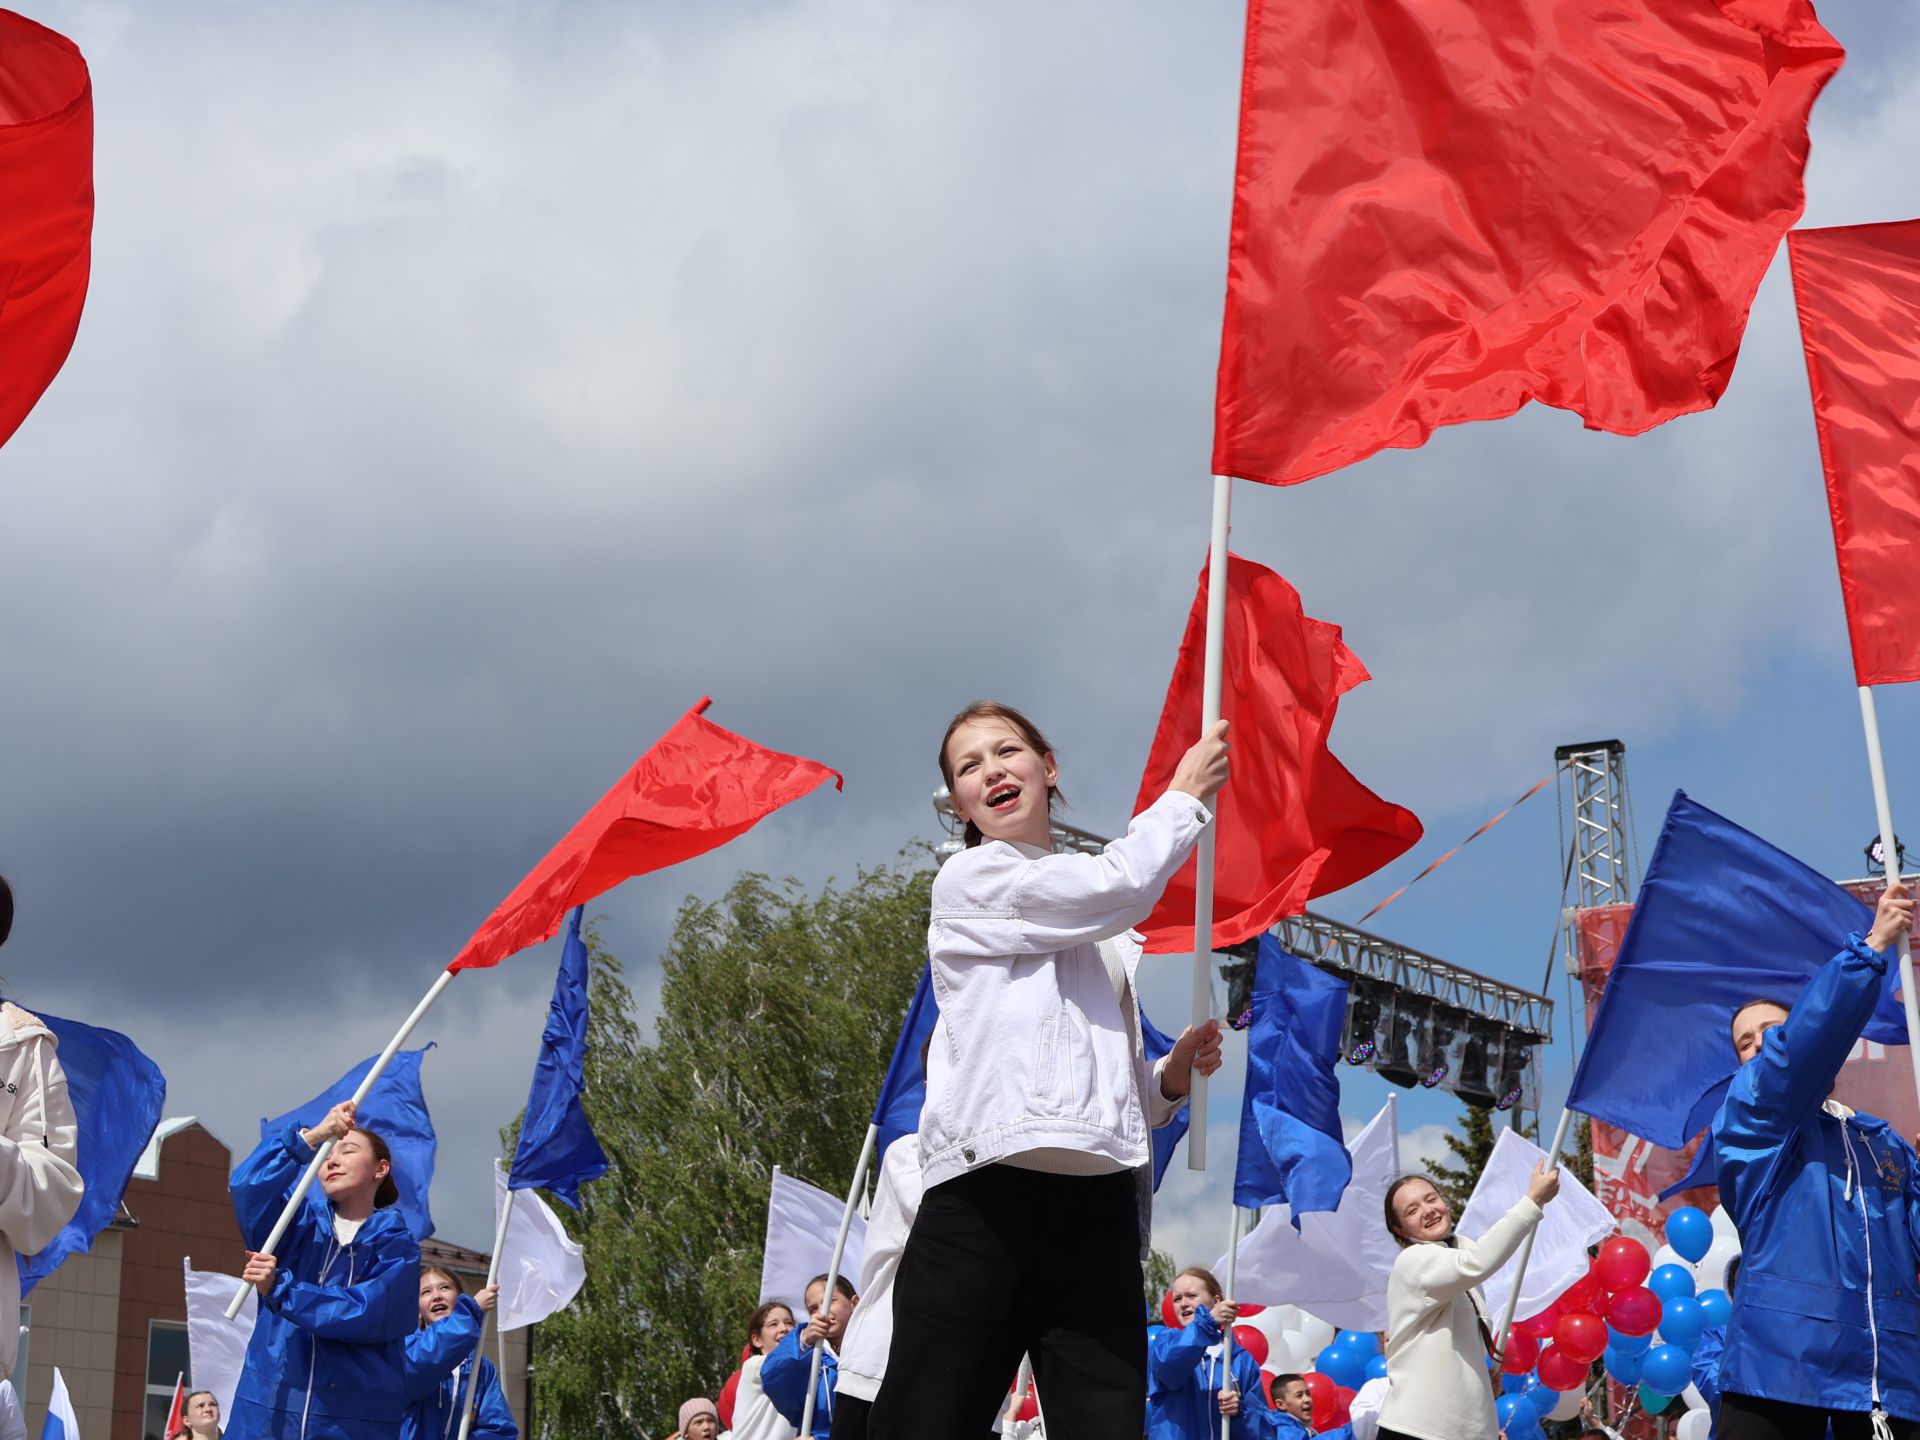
{"x": 388, "y": 1193}
{"x": 1393, "y": 1220}
{"x": 1021, "y": 726}
{"x": 759, "y": 1318}
{"x": 458, "y": 1283}
{"x": 1205, "y": 1277}
{"x": 1746, "y": 1005}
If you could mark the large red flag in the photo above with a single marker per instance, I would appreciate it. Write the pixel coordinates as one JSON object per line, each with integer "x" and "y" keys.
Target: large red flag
{"x": 46, "y": 208}
{"x": 1857, "y": 288}
{"x": 1294, "y": 822}
{"x": 1446, "y": 208}
{"x": 697, "y": 788}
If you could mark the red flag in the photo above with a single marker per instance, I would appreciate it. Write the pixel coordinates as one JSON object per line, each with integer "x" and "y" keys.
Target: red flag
{"x": 176, "y": 1420}
{"x": 1446, "y": 208}
{"x": 1857, "y": 288}
{"x": 1293, "y": 822}
{"x": 697, "y": 788}
{"x": 46, "y": 208}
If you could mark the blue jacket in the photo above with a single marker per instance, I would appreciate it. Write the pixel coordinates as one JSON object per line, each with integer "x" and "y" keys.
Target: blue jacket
{"x": 783, "y": 1375}
{"x": 437, "y": 1380}
{"x": 1818, "y": 1202}
{"x": 1285, "y": 1427}
{"x": 1706, "y": 1368}
{"x": 326, "y": 1361}
{"x": 1184, "y": 1384}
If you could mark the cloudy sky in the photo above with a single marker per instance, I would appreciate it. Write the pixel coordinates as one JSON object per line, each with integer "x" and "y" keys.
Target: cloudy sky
{"x": 466, "y": 389}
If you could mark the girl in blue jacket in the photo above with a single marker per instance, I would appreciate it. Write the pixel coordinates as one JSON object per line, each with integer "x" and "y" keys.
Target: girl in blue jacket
{"x": 438, "y": 1368}
{"x": 338, "y": 1297}
{"x": 1188, "y": 1388}
{"x": 1825, "y": 1323}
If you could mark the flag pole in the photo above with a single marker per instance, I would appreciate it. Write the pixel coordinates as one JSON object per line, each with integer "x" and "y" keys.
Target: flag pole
{"x": 1883, "y": 807}
{"x": 480, "y": 1341}
{"x": 305, "y": 1183}
{"x": 833, "y": 1270}
{"x": 1526, "y": 1245}
{"x": 1226, "y": 1342}
{"x": 1210, "y": 686}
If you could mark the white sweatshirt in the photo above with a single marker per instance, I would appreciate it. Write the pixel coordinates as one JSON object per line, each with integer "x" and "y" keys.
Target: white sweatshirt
{"x": 1038, "y": 1053}
{"x": 754, "y": 1415}
{"x": 1435, "y": 1350}
{"x": 40, "y": 1188}
{"x": 896, "y": 1200}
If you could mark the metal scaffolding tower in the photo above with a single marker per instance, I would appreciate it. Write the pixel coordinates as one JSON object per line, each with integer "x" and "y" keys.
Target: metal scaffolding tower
{"x": 1599, "y": 870}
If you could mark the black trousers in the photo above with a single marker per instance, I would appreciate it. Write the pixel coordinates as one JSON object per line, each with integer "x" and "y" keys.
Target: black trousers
{"x": 1747, "y": 1417}
{"x": 850, "y": 1418}
{"x": 1004, "y": 1262}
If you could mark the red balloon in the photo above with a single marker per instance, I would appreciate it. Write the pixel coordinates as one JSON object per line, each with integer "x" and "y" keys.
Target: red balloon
{"x": 1541, "y": 1326}
{"x": 725, "y": 1403}
{"x": 1167, "y": 1317}
{"x": 1029, "y": 1407}
{"x": 1635, "y": 1311}
{"x": 1585, "y": 1294}
{"x": 1561, "y": 1372}
{"x": 1522, "y": 1350}
{"x": 1323, "y": 1390}
{"x": 1623, "y": 1264}
{"x": 1580, "y": 1336}
{"x": 1266, "y": 1387}
{"x": 1246, "y": 1338}
{"x": 1247, "y": 1312}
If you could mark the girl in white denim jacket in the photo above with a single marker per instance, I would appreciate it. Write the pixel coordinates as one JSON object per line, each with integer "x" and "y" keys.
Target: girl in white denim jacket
{"x": 1034, "y": 1140}
{"x": 40, "y": 1184}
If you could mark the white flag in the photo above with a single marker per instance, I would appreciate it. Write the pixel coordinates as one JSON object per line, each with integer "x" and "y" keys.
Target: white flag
{"x": 61, "y": 1423}
{"x": 541, "y": 1269}
{"x": 1573, "y": 1221}
{"x": 217, "y": 1346}
{"x": 1335, "y": 1267}
{"x": 802, "y": 1222}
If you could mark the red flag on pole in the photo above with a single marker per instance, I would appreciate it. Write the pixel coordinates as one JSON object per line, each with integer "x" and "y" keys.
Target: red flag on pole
{"x": 46, "y": 208}
{"x": 697, "y": 788}
{"x": 1444, "y": 209}
{"x": 1294, "y": 823}
{"x": 176, "y": 1417}
{"x": 1857, "y": 288}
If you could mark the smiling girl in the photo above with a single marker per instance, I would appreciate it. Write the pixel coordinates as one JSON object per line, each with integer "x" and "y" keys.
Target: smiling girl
{"x": 754, "y": 1416}
{"x": 338, "y": 1298}
{"x": 451, "y": 1322}
{"x": 1034, "y": 1139}
{"x": 1190, "y": 1386}
{"x": 1438, "y": 1339}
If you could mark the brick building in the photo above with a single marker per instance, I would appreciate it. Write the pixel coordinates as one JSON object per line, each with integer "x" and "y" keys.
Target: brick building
{"x": 114, "y": 1320}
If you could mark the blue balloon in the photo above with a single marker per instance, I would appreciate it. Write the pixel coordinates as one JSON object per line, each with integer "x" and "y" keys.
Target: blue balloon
{"x": 1629, "y": 1344}
{"x": 1506, "y": 1405}
{"x": 1540, "y": 1398}
{"x": 1718, "y": 1305}
{"x": 1514, "y": 1384}
{"x": 1377, "y": 1368}
{"x": 1526, "y": 1424}
{"x": 1667, "y": 1369}
{"x": 1681, "y": 1321}
{"x": 1365, "y": 1342}
{"x": 1621, "y": 1366}
{"x": 1671, "y": 1280}
{"x": 1654, "y": 1401}
{"x": 1343, "y": 1367}
{"x": 1690, "y": 1233}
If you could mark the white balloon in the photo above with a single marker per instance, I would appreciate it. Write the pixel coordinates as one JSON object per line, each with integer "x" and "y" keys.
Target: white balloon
{"x": 1711, "y": 1272}
{"x": 1695, "y": 1400}
{"x": 1723, "y": 1222}
{"x": 1316, "y": 1333}
{"x": 1290, "y": 1316}
{"x": 1667, "y": 1255}
{"x": 1288, "y": 1355}
{"x": 1568, "y": 1406}
{"x": 1694, "y": 1425}
{"x": 1268, "y": 1323}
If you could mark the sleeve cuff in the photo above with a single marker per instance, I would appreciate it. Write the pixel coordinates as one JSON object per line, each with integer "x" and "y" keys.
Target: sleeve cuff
{"x": 296, "y": 1143}
{"x": 276, "y": 1297}
{"x": 1878, "y": 959}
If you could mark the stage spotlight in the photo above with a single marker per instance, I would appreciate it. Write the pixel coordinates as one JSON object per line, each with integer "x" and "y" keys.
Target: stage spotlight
{"x": 1472, "y": 1082}
{"x": 1363, "y": 1022}
{"x": 1443, "y": 1023}
{"x": 1395, "y": 1062}
{"x": 1515, "y": 1060}
{"x": 1238, "y": 973}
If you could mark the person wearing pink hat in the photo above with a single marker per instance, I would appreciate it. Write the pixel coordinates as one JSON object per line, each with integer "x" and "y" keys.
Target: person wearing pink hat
{"x": 699, "y": 1420}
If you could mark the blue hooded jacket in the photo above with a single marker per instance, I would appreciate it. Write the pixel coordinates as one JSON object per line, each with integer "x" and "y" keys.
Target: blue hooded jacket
{"x": 326, "y": 1361}
{"x": 437, "y": 1380}
{"x": 783, "y": 1375}
{"x": 1822, "y": 1204}
{"x": 1184, "y": 1383}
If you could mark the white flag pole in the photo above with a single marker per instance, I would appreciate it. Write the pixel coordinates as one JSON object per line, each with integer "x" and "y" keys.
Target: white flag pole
{"x": 1883, "y": 807}
{"x": 1226, "y": 1346}
{"x": 320, "y": 1156}
{"x": 1203, "y": 855}
{"x": 833, "y": 1271}
{"x": 480, "y": 1341}
{"x": 1526, "y": 1245}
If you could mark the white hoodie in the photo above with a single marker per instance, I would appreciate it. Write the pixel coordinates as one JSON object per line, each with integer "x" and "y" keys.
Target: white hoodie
{"x": 39, "y": 1187}
{"x": 896, "y": 1200}
{"x": 1038, "y": 1053}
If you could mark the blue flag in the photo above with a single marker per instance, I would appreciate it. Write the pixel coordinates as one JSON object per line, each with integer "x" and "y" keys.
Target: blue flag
{"x": 1156, "y": 1044}
{"x": 557, "y": 1147}
{"x": 117, "y": 1095}
{"x": 1291, "y": 1150}
{"x": 904, "y": 1090}
{"x": 1722, "y": 918}
{"x": 396, "y": 1111}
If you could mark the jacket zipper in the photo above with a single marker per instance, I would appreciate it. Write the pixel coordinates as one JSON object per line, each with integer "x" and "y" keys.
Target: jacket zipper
{"x": 1880, "y": 1425}
{"x": 313, "y": 1341}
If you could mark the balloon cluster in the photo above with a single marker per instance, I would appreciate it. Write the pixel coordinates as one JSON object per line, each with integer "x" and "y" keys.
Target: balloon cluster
{"x": 1283, "y": 1340}
{"x": 1640, "y": 1315}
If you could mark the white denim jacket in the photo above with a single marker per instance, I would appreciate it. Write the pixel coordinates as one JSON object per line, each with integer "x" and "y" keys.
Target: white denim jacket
{"x": 1038, "y": 1053}
{"x": 40, "y": 1185}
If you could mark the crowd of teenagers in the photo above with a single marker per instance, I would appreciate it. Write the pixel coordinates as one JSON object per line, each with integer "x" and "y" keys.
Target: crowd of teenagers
{"x": 1008, "y": 1236}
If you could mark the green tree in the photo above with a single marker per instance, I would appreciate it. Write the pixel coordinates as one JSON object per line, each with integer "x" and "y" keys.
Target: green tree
{"x": 1471, "y": 1143}
{"x": 1160, "y": 1271}
{"x": 777, "y": 1014}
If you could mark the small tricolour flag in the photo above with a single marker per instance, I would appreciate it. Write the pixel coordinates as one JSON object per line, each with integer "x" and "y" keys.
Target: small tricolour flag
{"x": 61, "y": 1423}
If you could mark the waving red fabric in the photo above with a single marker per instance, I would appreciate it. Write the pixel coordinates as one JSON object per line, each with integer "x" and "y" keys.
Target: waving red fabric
{"x": 1446, "y": 208}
